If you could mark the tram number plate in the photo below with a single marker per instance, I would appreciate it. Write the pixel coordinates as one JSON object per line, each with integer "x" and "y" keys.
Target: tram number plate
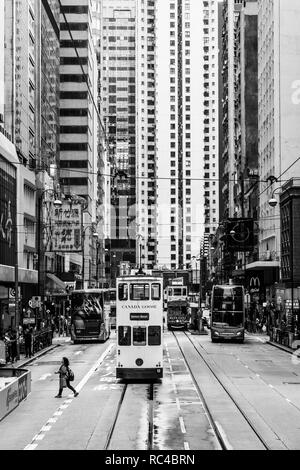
{"x": 139, "y": 316}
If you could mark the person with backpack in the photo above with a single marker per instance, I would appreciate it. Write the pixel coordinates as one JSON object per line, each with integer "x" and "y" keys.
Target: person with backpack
{"x": 66, "y": 376}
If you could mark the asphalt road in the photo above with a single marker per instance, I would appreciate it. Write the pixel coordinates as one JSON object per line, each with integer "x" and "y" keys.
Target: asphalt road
{"x": 212, "y": 395}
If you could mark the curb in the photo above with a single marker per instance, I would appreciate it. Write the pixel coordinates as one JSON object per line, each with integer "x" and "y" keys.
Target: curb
{"x": 37, "y": 356}
{"x": 280, "y": 346}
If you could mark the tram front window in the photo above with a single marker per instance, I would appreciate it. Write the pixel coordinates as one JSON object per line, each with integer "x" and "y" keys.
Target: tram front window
{"x": 154, "y": 336}
{"x": 139, "y": 336}
{"x": 124, "y": 334}
{"x": 139, "y": 292}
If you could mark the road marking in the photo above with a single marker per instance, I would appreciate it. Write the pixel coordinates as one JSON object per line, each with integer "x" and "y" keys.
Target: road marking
{"x": 186, "y": 446}
{"x": 52, "y": 420}
{"x": 31, "y": 447}
{"x": 38, "y": 437}
{"x": 223, "y": 435}
{"x": 44, "y": 377}
{"x": 46, "y": 428}
{"x": 178, "y": 404}
{"x": 78, "y": 352}
{"x": 257, "y": 375}
{"x": 289, "y": 401}
{"x": 271, "y": 386}
{"x": 182, "y": 426}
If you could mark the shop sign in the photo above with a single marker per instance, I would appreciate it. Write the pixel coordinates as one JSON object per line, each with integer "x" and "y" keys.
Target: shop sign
{"x": 67, "y": 229}
{"x": 7, "y": 212}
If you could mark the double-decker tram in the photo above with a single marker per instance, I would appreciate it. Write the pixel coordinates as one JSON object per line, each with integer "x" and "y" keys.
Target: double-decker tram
{"x": 113, "y": 307}
{"x": 90, "y": 312}
{"x": 228, "y": 313}
{"x": 139, "y": 327}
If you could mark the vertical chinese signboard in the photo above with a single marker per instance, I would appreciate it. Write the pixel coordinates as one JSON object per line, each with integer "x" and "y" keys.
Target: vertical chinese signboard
{"x": 8, "y": 198}
{"x": 67, "y": 229}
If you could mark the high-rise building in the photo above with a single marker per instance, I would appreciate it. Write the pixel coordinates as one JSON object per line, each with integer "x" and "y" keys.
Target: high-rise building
{"x": 279, "y": 110}
{"x": 231, "y": 14}
{"x": 187, "y": 128}
{"x": 79, "y": 122}
{"x": 30, "y": 106}
{"x": 127, "y": 100}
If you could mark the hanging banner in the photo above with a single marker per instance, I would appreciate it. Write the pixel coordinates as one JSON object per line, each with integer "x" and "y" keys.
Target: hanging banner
{"x": 66, "y": 228}
{"x": 8, "y": 198}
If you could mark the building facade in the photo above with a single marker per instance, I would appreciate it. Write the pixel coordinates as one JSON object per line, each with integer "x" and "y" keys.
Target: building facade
{"x": 78, "y": 159}
{"x": 187, "y": 127}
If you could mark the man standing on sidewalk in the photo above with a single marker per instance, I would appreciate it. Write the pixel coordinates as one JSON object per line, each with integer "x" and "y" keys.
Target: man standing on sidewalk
{"x": 28, "y": 343}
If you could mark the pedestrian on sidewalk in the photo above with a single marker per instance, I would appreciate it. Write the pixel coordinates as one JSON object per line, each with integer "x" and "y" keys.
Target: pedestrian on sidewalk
{"x": 28, "y": 342}
{"x": 64, "y": 377}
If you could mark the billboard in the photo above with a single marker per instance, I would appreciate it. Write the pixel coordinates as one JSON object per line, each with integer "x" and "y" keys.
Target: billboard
{"x": 239, "y": 235}
{"x": 8, "y": 198}
{"x": 67, "y": 228}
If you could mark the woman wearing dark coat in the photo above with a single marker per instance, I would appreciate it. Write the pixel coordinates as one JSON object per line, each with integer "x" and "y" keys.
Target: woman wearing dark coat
{"x": 64, "y": 378}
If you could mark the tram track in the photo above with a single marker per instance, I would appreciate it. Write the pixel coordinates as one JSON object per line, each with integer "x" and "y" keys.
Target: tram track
{"x": 150, "y": 417}
{"x": 221, "y": 439}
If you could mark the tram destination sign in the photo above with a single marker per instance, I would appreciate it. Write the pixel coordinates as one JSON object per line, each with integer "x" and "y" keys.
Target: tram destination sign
{"x": 139, "y": 316}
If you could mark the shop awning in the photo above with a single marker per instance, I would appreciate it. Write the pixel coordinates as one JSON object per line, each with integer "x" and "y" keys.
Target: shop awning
{"x": 262, "y": 265}
{"x": 55, "y": 283}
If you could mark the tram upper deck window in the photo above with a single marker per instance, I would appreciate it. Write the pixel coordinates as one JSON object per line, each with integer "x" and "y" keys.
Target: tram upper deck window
{"x": 154, "y": 336}
{"x": 139, "y": 336}
{"x": 124, "y": 334}
{"x": 139, "y": 292}
{"x": 123, "y": 292}
{"x": 155, "y": 292}
{"x": 178, "y": 292}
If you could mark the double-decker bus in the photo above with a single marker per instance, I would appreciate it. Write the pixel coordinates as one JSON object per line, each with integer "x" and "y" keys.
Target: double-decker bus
{"x": 113, "y": 307}
{"x": 139, "y": 327}
{"x": 90, "y": 310}
{"x": 228, "y": 313}
{"x": 178, "y": 310}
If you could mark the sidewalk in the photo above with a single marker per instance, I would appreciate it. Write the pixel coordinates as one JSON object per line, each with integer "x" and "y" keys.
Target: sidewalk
{"x": 23, "y": 361}
{"x": 264, "y": 338}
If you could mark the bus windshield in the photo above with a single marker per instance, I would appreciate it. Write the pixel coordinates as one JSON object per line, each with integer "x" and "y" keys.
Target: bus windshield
{"x": 86, "y": 305}
{"x": 228, "y": 307}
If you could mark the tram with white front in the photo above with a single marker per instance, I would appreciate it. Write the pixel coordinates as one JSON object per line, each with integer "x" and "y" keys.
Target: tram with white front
{"x": 139, "y": 327}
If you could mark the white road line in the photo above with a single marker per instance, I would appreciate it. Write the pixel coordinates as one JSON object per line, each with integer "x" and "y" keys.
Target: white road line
{"x": 95, "y": 367}
{"x": 52, "y": 420}
{"x": 78, "y": 352}
{"x": 46, "y": 428}
{"x": 271, "y": 386}
{"x": 186, "y": 446}
{"x": 223, "y": 435}
{"x": 58, "y": 413}
{"x": 40, "y": 437}
{"x": 31, "y": 447}
{"x": 178, "y": 404}
{"x": 257, "y": 375}
{"x": 182, "y": 426}
{"x": 289, "y": 401}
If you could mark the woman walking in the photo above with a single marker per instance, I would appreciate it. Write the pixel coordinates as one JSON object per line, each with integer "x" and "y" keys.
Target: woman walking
{"x": 64, "y": 379}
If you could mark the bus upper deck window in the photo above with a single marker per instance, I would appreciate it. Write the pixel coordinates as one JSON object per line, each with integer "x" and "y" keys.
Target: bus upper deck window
{"x": 139, "y": 336}
{"x": 139, "y": 292}
{"x": 123, "y": 292}
{"x": 124, "y": 335}
{"x": 155, "y": 292}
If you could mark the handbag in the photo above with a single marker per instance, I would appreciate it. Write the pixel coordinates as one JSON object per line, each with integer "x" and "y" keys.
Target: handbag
{"x": 71, "y": 375}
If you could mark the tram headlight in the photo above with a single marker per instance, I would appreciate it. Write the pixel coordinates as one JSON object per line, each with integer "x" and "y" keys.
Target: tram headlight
{"x": 139, "y": 362}
{"x": 239, "y": 333}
